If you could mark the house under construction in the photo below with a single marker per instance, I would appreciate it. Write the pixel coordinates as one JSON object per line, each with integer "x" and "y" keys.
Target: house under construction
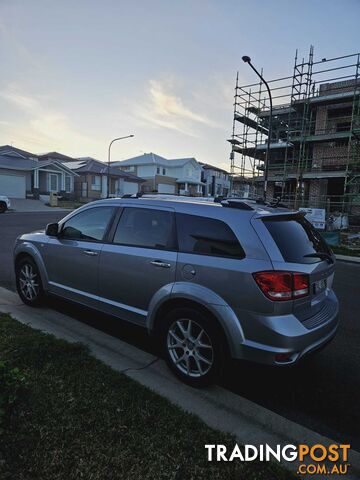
{"x": 314, "y": 156}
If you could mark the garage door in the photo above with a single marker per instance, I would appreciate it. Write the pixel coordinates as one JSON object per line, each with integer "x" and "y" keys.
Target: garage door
{"x": 130, "y": 187}
{"x": 164, "y": 188}
{"x": 13, "y": 186}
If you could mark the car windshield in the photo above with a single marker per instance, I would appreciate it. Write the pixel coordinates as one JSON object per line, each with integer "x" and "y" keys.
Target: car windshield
{"x": 296, "y": 238}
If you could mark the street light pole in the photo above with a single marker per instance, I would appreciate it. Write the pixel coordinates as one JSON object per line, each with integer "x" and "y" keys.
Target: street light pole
{"x": 247, "y": 59}
{"x": 108, "y": 169}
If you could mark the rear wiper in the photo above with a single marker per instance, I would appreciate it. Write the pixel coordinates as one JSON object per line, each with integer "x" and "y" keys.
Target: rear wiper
{"x": 321, "y": 255}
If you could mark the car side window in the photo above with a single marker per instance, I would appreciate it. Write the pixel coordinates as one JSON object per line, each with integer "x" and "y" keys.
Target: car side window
{"x": 144, "y": 227}
{"x": 90, "y": 225}
{"x": 207, "y": 236}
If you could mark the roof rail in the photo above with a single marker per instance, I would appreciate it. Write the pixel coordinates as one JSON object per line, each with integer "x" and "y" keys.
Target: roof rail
{"x": 248, "y": 201}
{"x": 236, "y": 203}
{"x": 132, "y": 195}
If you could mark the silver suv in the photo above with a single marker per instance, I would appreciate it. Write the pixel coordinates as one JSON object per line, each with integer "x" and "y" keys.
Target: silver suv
{"x": 212, "y": 280}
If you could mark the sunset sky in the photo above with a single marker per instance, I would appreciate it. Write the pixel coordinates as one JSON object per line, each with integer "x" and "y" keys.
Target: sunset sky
{"x": 75, "y": 74}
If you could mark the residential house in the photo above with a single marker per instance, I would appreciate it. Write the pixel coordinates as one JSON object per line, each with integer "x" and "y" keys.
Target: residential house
{"x": 241, "y": 186}
{"x": 216, "y": 180}
{"x": 26, "y": 175}
{"x": 92, "y": 179}
{"x": 178, "y": 176}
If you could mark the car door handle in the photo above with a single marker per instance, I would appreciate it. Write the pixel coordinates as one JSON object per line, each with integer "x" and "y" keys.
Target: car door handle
{"x": 159, "y": 263}
{"x": 91, "y": 253}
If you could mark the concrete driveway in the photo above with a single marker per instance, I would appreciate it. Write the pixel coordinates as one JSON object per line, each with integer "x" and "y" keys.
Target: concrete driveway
{"x": 29, "y": 205}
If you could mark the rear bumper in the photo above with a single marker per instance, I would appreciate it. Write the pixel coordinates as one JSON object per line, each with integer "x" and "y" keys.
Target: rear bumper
{"x": 285, "y": 340}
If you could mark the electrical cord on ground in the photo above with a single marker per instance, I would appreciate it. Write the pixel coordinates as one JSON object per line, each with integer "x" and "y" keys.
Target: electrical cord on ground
{"x": 140, "y": 368}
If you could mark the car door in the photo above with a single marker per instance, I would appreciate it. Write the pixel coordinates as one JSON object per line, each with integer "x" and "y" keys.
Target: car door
{"x": 139, "y": 262}
{"x": 72, "y": 258}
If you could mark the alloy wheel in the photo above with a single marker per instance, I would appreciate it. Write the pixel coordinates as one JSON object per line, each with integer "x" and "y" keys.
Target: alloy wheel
{"x": 29, "y": 282}
{"x": 190, "y": 348}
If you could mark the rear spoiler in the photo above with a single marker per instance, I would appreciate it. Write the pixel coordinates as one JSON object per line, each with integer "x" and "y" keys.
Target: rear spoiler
{"x": 264, "y": 215}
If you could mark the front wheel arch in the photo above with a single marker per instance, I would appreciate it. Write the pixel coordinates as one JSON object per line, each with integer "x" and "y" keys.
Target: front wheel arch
{"x": 19, "y": 261}
{"x": 20, "y": 256}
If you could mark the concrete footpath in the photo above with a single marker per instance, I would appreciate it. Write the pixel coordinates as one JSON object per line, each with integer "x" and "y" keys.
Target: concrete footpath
{"x": 347, "y": 258}
{"x": 217, "y": 407}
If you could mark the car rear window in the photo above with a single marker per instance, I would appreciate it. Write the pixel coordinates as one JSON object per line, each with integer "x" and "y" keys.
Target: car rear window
{"x": 295, "y": 238}
{"x": 207, "y": 236}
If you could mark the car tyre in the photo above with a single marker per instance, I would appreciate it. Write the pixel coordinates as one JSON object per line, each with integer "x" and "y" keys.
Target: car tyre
{"x": 194, "y": 346}
{"x": 28, "y": 282}
{"x": 3, "y": 207}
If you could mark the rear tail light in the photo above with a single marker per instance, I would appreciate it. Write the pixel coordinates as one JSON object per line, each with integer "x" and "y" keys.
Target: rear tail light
{"x": 281, "y": 286}
{"x": 301, "y": 285}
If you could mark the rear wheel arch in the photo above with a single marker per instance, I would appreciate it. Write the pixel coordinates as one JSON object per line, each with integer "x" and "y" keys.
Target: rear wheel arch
{"x": 192, "y": 341}
{"x": 176, "y": 303}
{"x": 3, "y": 206}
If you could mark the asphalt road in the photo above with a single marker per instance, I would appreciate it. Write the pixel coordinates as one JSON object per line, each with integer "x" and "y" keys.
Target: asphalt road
{"x": 13, "y": 224}
{"x": 323, "y": 393}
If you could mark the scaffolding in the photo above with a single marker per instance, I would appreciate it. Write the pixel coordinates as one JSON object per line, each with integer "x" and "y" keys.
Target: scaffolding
{"x": 315, "y": 134}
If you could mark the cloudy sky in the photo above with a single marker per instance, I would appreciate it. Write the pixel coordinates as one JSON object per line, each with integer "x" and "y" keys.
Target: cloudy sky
{"x": 75, "y": 74}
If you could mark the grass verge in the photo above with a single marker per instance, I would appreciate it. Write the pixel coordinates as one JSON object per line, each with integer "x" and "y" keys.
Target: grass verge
{"x": 342, "y": 250}
{"x": 74, "y": 417}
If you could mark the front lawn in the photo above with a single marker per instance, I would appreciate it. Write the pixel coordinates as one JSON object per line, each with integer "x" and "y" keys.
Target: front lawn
{"x": 71, "y": 416}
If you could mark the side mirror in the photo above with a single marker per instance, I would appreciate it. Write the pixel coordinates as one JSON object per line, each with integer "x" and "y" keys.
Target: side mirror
{"x": 52, "y": 229}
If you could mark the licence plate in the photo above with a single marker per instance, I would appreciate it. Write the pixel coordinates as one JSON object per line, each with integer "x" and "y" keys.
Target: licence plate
{"x": 320, "y": 286}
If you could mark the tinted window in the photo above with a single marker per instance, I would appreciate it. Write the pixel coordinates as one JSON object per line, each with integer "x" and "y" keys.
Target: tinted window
{"x": 207, "y": 236}
{"x": 89, "y": 225}
{"x": 296, "y": 237}
{"x": 143, "y": 227}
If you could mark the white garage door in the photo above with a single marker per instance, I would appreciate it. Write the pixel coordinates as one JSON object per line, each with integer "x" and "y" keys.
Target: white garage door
{"x": 13, "y": 186}
{"x": 164, "y": 188}
{"x": 130, "y": 187}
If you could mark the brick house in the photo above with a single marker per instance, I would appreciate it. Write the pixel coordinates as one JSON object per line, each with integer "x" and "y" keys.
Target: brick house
{"x": 91, "y": 182}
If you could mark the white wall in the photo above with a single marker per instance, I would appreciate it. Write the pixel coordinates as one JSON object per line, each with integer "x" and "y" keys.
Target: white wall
{"x": 174, "y": 172}
{"x": 104, "y": 186}
{"x": 131, "y": 187}
{"x": 188, "y": 170}
{"x": 146, "y": 171}
{"x": 119, "y": 186}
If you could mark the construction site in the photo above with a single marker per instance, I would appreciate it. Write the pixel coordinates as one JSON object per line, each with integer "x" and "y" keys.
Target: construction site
{"x": 314, "y": 151}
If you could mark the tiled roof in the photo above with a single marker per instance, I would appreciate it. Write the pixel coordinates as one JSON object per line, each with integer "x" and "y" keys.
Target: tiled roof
{"x": 11, "y": 163}
{"x": 152, "y": 158}
{"x": 91, "y": 165}
{"x": 15, "y": 152}
{"x": 206, "y": 166}
{"x": 56, "y": 156}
